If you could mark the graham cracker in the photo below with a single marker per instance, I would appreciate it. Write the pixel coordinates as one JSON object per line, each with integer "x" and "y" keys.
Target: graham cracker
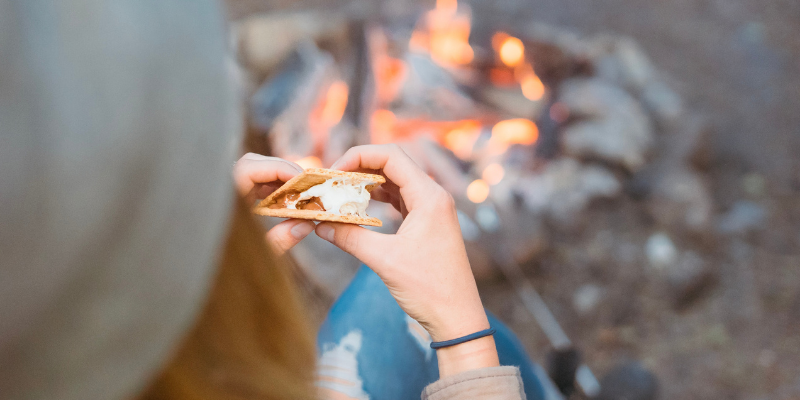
{"x": 312, "y": 177}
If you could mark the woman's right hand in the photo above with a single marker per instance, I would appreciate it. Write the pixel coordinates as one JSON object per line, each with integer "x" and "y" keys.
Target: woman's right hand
{"x": 424, "y": 264}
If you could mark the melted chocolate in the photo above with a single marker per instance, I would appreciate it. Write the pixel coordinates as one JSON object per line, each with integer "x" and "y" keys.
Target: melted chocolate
{"x": 282, "y": 201}
{"x": 313, "y": 203}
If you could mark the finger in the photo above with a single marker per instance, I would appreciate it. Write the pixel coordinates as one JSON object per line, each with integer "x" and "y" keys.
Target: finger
{"x": 253, "y": 168}
{"x": 381, "y": 195}
{"x": 396, "y": 166}
{"x": 262, "y": 190}
{"x": 287, "y": 234}
{"x": 364, "y": 244}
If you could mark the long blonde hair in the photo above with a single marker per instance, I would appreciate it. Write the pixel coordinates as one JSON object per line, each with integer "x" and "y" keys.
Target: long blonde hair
{"x": 253, "y": 339}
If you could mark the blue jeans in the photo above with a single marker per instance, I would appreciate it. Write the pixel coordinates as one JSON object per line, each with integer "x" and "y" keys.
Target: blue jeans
{"x": 370, "y": 348}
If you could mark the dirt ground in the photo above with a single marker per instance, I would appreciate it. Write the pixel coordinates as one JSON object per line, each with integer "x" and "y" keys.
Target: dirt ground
{"x": 736, "y": 62}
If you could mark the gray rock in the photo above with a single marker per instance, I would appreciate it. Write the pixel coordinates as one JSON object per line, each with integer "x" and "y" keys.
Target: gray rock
{"x": 689, "y": 277}
{"x": 743, "y": 217}
{"x": 611, "y": 125}
{"x": 754, "y": 184}
{"x": 586, "y": 298}
{"x": 564, "y": 187}
{"x": 660, "y": 251}
{"x": 620, "y": 60}
{"x": 680, "y": 199}
{"x": 663, "y": 103}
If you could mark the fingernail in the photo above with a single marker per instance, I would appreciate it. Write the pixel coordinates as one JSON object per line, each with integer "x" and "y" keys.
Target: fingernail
{"x": 325, "y": 232}
{"x": 302, "y": 230}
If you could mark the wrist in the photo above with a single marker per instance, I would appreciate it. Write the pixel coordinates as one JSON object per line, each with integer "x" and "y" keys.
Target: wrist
{"x": 458, "y": 323}
{"x": 475, "y": 354}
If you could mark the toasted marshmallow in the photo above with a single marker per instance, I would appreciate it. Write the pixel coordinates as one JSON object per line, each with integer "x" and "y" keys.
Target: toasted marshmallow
{"x": 339, "y": 197}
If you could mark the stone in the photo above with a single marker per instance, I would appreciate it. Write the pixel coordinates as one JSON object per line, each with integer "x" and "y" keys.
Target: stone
{"x": 564, "y": 187}
{"x": 689, "y": 278}
{"x": 630, "y": 381}
{"x": 586, "y": 298}
{"x": 660, "y": 251}
{"x": 745, "y": 216}
{"x": 621, "y": 60}
{"x": 754, "y": 184}
{"x": 610, "y": 124}
{"x": 680, "y": 199}
{"x": 664, "y": 104}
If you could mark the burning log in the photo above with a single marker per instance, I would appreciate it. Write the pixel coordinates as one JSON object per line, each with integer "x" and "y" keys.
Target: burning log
{"x": 513, "y": 130}
{"x": 291, "y": 105}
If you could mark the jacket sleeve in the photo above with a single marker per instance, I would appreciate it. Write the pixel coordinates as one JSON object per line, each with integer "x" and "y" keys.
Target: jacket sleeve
{"x": 495, "y": 383}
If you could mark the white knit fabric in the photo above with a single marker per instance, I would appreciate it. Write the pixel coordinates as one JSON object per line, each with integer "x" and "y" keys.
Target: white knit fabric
{"x": 118, "y": 127}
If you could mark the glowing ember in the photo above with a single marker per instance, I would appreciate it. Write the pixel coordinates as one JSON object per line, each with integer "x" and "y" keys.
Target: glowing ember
{"x": 512, "y": 52}
{"x": 512, "y": 131}
{"x": 389, "y": 72}
{"x": 478, "y": 191}
{"x": 444, "y": 33}
{"x": 532, "y": 87}
{"x": 462, "y": 139}
{"x": 502, "y": 77}
{"x": 335, "y": 103}
{"x": 309, "y": 162}
{"x": 493, "y": 173}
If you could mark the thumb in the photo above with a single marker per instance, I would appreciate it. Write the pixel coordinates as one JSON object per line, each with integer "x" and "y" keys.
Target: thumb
{"x": 287, "y": 234}
{"x": 362, "y": 243}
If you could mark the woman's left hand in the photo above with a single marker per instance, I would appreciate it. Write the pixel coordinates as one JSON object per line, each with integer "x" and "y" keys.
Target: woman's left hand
{"x": 257, "y": 176}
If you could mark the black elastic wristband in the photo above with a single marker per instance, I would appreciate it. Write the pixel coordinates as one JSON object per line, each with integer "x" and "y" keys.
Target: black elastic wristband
{"x": 472, "y": 336}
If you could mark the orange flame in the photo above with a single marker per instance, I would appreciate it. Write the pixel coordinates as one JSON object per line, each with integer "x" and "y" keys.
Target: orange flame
{"x": 478, "y": 191}
{"x": 462, "y": 139}
{"x": 493, "y": 173}
{"x": 447, "y": 6}
{"x": 512, "y": 131}
{"x": 444, "y": 33}
{"x": 389, "y": 72}
{"x": 309, "y": 162}
{"x": 327, "y": 112}
{"x": 335, "y": 104}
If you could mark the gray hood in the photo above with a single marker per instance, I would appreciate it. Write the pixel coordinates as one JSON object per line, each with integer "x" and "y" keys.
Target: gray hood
{"x": 118, "y": 127}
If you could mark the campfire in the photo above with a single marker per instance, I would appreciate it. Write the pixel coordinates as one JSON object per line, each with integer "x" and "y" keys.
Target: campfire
{"x": 521, "y": 127}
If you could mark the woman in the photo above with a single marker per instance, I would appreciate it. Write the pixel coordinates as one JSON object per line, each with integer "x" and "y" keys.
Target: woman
{"x": 126, "y": 275}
